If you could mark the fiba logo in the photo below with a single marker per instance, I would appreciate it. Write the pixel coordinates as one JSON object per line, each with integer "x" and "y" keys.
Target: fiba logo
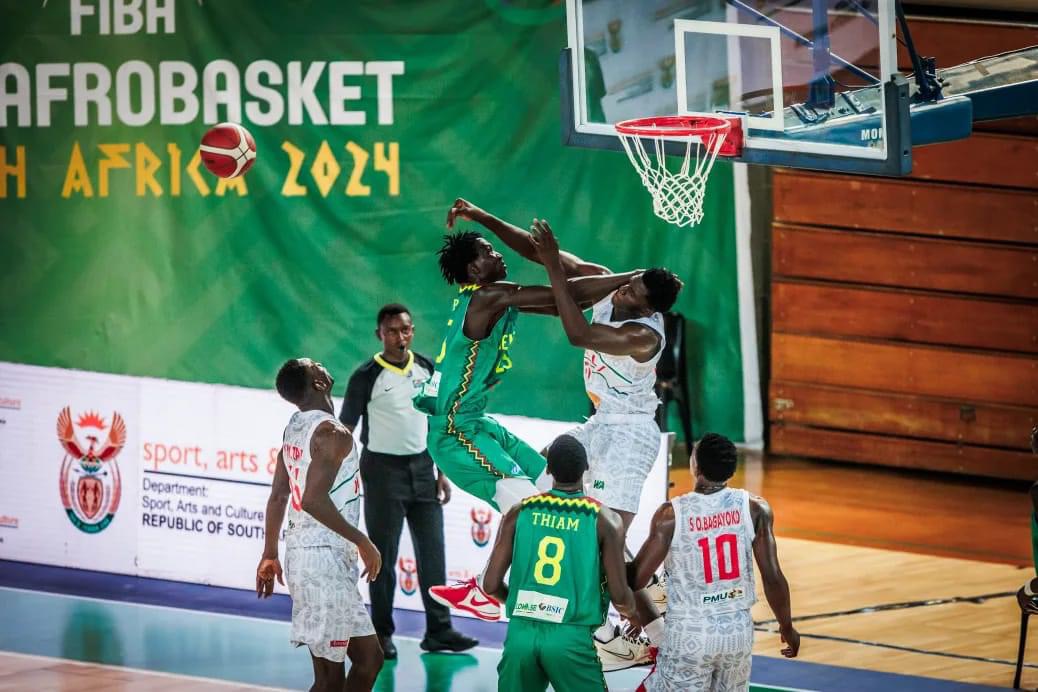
{"x": 481, "y": 526}
{"x": 90, "y": 483}
{"x": 408, "y": 575}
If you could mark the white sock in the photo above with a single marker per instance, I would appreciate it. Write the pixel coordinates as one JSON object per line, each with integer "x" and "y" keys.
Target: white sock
{"x": 654, "y": 631}
{"x": 1027, "y": 589}
{"x": 605, "y": 632}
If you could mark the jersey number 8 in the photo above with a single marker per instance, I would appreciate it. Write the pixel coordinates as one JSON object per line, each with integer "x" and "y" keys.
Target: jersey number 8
{"x": 553, "y": 561}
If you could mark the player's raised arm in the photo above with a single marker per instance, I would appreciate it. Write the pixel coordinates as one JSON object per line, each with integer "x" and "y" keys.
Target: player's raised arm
{"x": 630, "y": 339}
{"x": 270, "y": 566}
{"x": 610, "y": 541}
{"x": 329, "y": 446}
{"x": 776, "y": 588}
{"x": 586, "y": 290}
{"x": 518, "y": 239}
{"x": 501, "y": 557}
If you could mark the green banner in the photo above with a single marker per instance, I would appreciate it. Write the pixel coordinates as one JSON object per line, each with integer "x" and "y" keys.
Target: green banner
{"x": 124, "y": 255}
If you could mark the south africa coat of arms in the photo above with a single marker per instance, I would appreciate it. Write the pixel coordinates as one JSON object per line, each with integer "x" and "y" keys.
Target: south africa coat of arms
{"x": 90, "y": 483}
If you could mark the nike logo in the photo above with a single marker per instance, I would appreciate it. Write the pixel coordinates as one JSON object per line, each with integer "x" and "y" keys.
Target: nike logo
{"x": 387, "y": 389}
{"x": 629, "y": 656}
{"x": 476, "y": 602}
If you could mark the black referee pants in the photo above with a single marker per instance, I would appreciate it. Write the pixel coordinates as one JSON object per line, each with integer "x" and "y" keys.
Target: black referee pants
{"x": 397, "y": 488}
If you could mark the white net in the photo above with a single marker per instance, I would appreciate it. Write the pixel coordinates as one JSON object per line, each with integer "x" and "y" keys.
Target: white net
{"x": 677, "y": 196}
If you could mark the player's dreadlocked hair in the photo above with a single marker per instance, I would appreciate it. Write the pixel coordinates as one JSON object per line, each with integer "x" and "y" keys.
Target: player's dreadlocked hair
{"x": 458, "y": 250}
{"x": 291, "y": 380}
{"x": 715, "y": 457}
{"x": 663, "y": 288}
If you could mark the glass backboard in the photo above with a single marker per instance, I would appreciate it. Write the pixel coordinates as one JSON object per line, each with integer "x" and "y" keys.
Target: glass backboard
{"x": 813, "y": 80}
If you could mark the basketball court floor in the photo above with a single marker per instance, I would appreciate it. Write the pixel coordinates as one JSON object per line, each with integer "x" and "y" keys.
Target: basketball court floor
{"x": 903, "y": 582}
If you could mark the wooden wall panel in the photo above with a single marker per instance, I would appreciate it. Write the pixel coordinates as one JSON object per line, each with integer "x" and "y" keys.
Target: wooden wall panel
{"x": 901, "y": 452}
{"x": 904, "y": 206}
{"x": 910, "y": 262}
{"x": 982, "y": 159}
{"x": 972, "y": 377}
{"x": 992, "y": 425}
{"x": 956, "y": 42}
{"x": 899, "y": 315}
{"x": 1025, "y": 125}
{"x": 904, "y": 312}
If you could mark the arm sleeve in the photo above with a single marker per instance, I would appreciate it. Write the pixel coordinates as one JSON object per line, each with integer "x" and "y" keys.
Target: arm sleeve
{"x": 355, "y": 403}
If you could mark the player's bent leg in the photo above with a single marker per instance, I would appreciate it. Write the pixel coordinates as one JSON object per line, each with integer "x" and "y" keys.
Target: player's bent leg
{"x": 366, "y": 659}
{"x": 519, "y": 669}
{"x": 509, "y": 492}
{"x": 328, "y": 675}
{"x": 531, "y": 462}
{"x": 476, "y": 455}
{"x": 569, "y": 658}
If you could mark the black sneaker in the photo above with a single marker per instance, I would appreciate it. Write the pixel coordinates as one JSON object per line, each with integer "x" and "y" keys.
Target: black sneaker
{"x": 388, "y": 648}
{"x": 450, "y": 640}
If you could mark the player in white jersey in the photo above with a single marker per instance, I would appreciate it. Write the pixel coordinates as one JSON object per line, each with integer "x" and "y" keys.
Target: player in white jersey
{"x": 623, "y": 342}
{"x": 317, "y": 476}
{"x": 705, "y": 540}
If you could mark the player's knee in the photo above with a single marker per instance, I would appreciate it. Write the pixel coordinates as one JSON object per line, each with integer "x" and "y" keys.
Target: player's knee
{"x": 367, "y": 670}
{"x": 365, "y": 665}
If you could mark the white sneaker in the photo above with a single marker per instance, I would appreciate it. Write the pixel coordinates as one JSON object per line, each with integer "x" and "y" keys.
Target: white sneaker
{"x": 657, "y": 589}
{"x": 623, "y": 650}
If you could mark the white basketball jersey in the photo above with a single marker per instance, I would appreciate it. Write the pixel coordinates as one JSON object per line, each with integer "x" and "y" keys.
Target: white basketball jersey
{"x": 620, "y": 384}
{"x": 710, "y": 563}
{"x": 303, "y": 530}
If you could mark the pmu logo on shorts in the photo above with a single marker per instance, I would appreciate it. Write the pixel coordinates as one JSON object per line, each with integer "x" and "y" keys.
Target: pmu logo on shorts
{"x": 481, "y": 526}
{"x": 715, "y": 597}
{"x": 90, "y": 483}
{"x": 408, "y": 574}
{"x": 598, "y": 485}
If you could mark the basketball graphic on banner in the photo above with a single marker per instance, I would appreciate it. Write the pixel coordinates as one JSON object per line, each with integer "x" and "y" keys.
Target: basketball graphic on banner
{"x": 228, "y": 150}
{"x": 90, "y": 483}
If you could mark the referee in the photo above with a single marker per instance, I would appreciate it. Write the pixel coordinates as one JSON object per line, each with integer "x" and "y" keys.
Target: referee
{"x": 399, "y": 478}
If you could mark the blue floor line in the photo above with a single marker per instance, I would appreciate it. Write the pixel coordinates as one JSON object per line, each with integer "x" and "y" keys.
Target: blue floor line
{"x": 211, "y": 599}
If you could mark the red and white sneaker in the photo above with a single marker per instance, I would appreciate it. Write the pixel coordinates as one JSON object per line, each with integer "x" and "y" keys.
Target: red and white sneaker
{"x": 467, "y": 596}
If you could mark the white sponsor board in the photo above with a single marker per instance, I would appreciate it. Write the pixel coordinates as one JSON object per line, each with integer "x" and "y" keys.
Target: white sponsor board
{"x": 170, "y": 479}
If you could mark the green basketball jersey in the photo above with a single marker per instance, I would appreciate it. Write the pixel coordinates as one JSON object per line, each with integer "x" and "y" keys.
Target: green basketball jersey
{"x": 466, "y": 370}
{"x": 556, "y": 569}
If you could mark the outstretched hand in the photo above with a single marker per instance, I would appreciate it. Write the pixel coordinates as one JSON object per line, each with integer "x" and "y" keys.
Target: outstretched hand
{"x": 545, "y": 243}
{"x": 461, "y": 208}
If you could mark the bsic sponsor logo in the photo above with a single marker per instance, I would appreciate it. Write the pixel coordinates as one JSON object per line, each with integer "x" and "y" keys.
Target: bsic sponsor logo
{"x": 540, "y": 606}
{"x": 90, "y": 483}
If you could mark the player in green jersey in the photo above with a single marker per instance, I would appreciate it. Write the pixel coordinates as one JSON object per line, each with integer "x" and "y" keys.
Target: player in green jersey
{"x": 473, "y": 450}
{"x": 565, "y": 551}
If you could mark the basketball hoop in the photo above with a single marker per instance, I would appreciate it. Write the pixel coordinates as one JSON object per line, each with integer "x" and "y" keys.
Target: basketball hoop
{"x": 677, "y": 197}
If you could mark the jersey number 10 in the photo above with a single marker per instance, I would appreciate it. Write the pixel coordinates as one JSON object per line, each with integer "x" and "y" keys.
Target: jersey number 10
{"x": 726, "y": 548}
